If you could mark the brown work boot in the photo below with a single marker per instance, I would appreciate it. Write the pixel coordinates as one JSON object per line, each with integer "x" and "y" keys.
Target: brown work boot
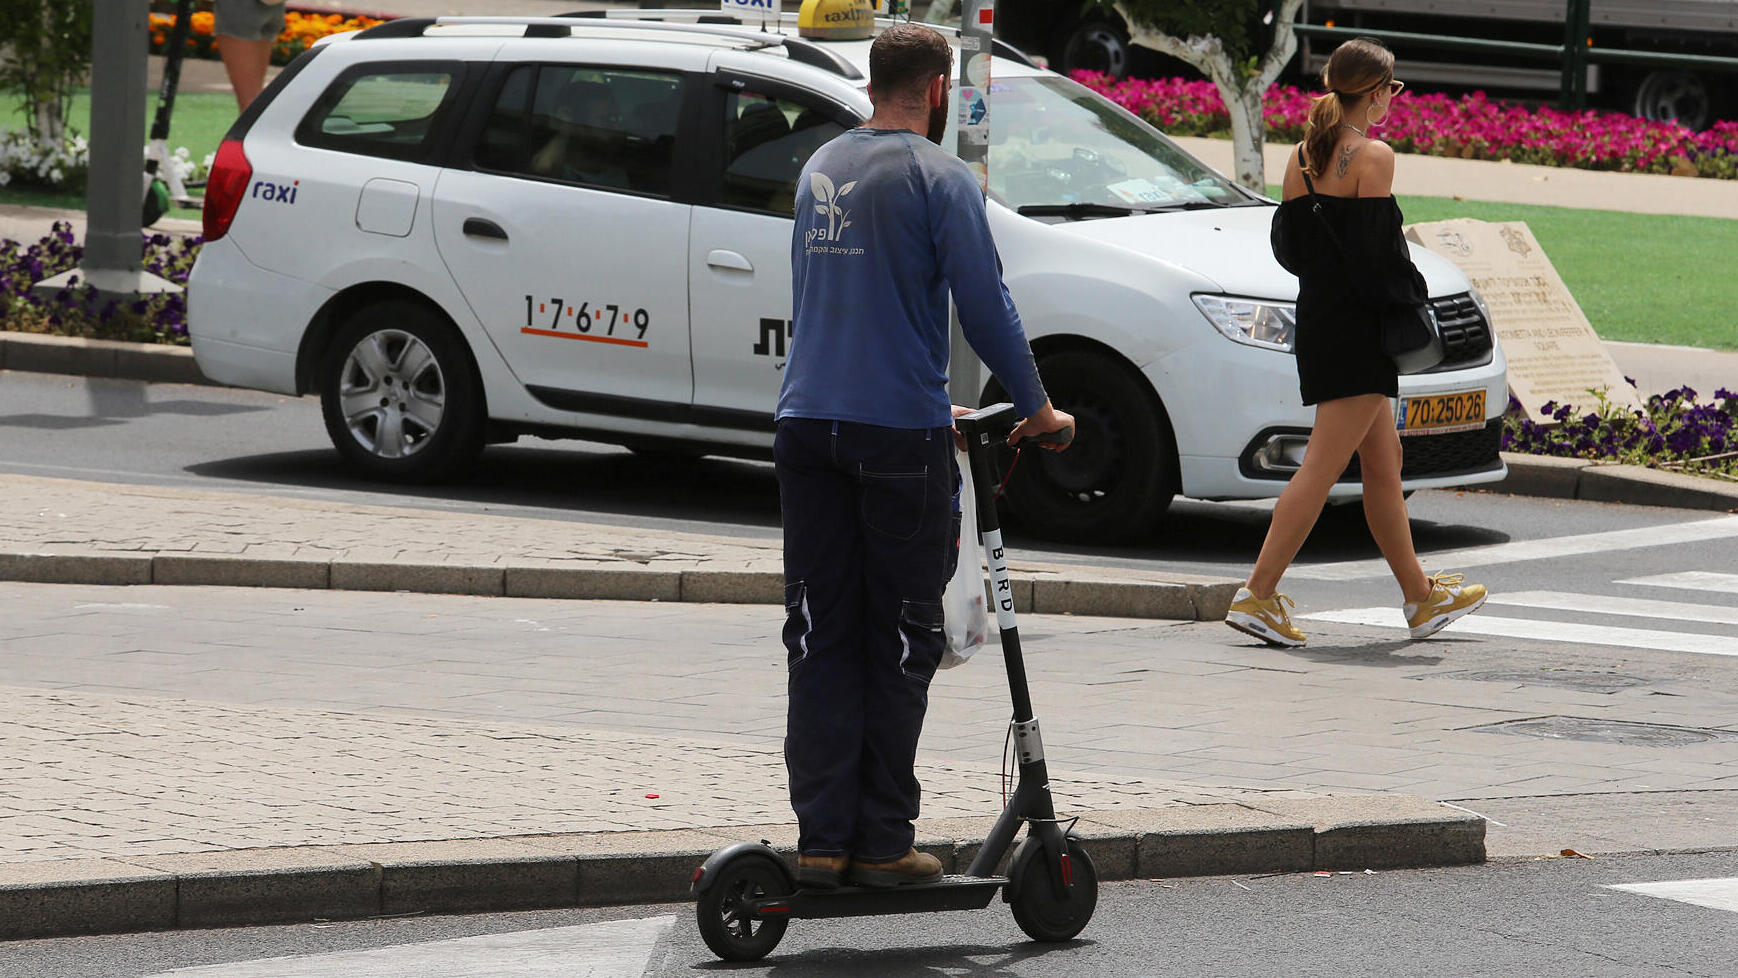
{"x": 821, "y": 872}
{"x": 913, "y": 867}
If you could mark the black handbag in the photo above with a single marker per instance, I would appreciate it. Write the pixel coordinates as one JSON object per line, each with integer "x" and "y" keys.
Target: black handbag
{"x": 1410, "y": 334}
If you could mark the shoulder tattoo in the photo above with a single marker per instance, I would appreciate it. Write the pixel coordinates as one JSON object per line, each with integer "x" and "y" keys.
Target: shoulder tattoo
{"x": 1345, "y": 162}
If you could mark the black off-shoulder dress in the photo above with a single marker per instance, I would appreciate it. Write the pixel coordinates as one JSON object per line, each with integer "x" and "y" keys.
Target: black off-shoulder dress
{"x": 1340, "y": 299}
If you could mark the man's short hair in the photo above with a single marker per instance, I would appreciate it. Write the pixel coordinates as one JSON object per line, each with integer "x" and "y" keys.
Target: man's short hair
{"x": 905, "y": 57}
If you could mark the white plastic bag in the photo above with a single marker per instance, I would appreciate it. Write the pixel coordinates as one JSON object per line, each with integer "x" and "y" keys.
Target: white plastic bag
{"x": 963, "y": 609}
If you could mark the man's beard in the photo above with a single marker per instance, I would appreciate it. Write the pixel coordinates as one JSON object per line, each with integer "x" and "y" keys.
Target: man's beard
{"x": 938, "y": 122}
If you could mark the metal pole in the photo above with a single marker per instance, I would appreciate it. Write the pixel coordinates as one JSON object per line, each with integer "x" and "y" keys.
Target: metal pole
{"x": 977, "y": 28}
{"x": 118, "y": 86}
{"x": 115, "y": 189}
{"x": 1575, "y": 30}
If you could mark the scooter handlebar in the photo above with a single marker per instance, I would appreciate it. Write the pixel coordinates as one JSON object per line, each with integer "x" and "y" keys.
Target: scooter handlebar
{"x": 998, "y": 421}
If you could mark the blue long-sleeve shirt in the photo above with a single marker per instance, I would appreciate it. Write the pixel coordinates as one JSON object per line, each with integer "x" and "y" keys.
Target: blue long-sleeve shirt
{"x": 886, "y": 225}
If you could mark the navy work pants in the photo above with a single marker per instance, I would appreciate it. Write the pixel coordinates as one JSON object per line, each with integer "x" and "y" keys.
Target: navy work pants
{"x": 871, "y": 536}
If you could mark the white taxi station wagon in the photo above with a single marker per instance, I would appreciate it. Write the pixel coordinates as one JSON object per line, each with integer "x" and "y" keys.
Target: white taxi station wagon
{"x": 460, "y": 231}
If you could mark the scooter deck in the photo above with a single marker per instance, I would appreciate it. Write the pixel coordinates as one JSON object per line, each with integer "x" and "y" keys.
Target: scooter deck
{"x": 947, "y": 893}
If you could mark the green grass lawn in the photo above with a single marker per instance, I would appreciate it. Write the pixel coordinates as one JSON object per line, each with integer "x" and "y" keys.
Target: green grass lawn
{"x": 1646, "y": 278}
{"x": 199, "y": 123}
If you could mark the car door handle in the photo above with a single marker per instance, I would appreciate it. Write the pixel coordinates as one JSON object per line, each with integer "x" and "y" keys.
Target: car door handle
{"x": 719, "y": 258}
{"x": 477, "y": 227}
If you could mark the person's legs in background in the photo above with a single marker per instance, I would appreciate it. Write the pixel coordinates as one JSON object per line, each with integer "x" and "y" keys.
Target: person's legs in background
{"x": 246, "y": 31}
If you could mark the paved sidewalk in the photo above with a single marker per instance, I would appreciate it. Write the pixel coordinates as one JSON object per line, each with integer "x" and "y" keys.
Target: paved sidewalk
{"x": 173, "y": 755}
{"x": 1518, "y": 183}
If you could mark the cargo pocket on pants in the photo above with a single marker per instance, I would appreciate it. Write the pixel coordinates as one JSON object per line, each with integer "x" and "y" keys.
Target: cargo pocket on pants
{"x": 921, "y": 638}
{"x": 798, "y": 624}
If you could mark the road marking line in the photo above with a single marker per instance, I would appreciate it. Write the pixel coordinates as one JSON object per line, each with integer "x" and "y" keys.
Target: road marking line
{"x": 1550, "y": 631}
{"x": 1545, "y": 549}
{"x": 1690, "y": 581}
{"x": 614, "y": 949}
{"x": 1602, "y": 604}
{"x": 1716, "y": 894}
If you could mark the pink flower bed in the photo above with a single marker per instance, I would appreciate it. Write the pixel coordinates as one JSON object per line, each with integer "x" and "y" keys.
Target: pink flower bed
{"x": 1473, "y": 127}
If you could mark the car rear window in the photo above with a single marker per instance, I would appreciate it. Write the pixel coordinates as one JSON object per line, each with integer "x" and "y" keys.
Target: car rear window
{"x": 394, "y": 111}
{"x": 599, "y": 127}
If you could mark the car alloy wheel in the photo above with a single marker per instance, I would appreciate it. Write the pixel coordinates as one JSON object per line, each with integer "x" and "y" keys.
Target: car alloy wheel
{"x": 393, "y": 394}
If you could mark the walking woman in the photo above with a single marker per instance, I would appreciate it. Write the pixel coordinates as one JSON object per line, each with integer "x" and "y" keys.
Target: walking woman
{"x": 1338, "y": 231}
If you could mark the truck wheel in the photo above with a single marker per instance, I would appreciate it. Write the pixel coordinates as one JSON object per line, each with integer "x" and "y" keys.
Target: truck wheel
{"x": 1117, "y": 478}
{"x": 1680, "y": 96}
{"x": 400, "y": 395}
{"x": 1096, "y": 45}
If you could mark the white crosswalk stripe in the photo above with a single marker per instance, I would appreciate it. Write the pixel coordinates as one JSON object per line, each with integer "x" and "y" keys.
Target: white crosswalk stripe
{"x": 1696, "y": 531}
{"x": 614, "y": 949}
{"x": 1690, "y": 581}
{"x": 1718, "y": 894}
{"x": 1550, "y": 631}
{"x": 1601, "y": 604}
{"x": 1540, "y": 605}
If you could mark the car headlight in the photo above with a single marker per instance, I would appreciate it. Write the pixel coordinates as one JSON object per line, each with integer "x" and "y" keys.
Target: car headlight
{"x": 1269, "y": 325}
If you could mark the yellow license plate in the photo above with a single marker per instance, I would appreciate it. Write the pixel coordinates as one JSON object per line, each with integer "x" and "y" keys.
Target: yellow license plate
{"x": 1437, "y": 413}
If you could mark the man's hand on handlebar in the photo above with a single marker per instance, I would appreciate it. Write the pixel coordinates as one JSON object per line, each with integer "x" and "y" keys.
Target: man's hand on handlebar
{"x": 1048, "y": 428}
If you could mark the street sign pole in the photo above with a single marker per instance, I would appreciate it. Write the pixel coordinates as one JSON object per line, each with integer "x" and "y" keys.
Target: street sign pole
{"x": 977, "y": 26}
{"x": 114, "y": 251}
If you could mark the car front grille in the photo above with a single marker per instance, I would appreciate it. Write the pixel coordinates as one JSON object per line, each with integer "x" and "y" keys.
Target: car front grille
{"x": 1466, "y": 336}
{"x": 1454, "y": 453}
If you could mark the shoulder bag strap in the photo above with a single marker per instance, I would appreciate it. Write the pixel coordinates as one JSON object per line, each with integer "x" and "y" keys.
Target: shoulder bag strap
{"x": 1316, "y": 207}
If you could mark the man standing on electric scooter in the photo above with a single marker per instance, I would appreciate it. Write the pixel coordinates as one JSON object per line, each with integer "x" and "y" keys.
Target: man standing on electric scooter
{"x": 886, "y": 225}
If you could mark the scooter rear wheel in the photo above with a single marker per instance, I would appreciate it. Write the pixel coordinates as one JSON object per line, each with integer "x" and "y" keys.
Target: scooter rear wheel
{"x": 1036, "y": 908}
{"x": 721, "y": 911}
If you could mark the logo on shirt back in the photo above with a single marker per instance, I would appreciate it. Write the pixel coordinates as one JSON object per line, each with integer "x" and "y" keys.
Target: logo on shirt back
{"x": 827, "y": 198}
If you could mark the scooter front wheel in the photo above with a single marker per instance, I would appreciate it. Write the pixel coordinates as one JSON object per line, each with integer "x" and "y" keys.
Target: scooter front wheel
{"x": 1037, "y": 909}
{"x": 727, "y": 926}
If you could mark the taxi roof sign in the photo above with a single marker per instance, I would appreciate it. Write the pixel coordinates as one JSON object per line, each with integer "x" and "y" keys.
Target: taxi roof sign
{"x": 748, "y": 10}
{"x": 837, "y": 20}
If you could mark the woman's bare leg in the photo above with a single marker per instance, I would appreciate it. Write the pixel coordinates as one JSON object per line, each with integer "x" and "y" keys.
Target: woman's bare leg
{"x": 1379, "y": 458}
{"x": 246, "y": 62}
{"x": 1341, "y": 425}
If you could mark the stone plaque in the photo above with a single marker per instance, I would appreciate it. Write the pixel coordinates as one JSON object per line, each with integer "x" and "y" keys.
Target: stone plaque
{"x": 1553, "y": 353}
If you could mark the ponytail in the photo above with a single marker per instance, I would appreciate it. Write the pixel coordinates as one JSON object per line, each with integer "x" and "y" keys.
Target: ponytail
{"x": 1322, "y": 132}
{"x": 1355, "y": 70}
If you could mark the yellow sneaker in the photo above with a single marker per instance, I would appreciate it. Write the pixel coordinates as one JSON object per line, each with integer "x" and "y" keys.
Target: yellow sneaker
{"x": 1449, "y": 599}
{"x": 1266, "y": 619}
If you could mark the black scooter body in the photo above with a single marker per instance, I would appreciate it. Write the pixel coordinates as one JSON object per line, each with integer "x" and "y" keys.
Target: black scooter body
{"x": 746, "y": 893}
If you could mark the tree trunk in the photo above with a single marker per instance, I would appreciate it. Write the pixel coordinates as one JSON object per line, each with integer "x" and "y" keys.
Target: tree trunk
{"x": 1241, "y": 90}
{"x": 48, "y": 124}
{"x": 1248, "y": 133}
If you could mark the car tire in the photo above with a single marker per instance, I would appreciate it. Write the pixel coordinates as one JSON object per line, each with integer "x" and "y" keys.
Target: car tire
{"x": 1095, "y": 45}
{"x": 1675, "y": 96}
{"x": 401, "y": 396}
{"x": 1115, "y": 481}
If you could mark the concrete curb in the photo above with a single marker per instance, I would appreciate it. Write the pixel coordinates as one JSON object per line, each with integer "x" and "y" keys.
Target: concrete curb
{"x": 287, "y": 885}
{"x": 153, "y": 362}
{"x": 1576, "y": 478}
{"x": 1199, "y": 600}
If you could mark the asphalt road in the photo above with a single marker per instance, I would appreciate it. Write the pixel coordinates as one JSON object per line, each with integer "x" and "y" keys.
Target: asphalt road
{"x": 216, "y": 438}
{"x": 1540, "y": 919}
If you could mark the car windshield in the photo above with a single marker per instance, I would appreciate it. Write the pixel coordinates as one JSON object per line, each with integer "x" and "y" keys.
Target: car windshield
{"x": 1057, "y": 147}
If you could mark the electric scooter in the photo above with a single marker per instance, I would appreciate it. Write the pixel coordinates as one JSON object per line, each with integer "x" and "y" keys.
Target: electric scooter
{"x": 163, "y": 186}
{"x": 746, "y": 894}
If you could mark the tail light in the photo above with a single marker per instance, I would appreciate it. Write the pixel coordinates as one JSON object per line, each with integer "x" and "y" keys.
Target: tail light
{"x": 225, "y": 187}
